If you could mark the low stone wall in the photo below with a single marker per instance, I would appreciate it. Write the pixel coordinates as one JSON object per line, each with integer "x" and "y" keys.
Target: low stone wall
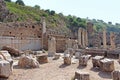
{"x": 113, "y": 54}
{"x": 95, "y": 52}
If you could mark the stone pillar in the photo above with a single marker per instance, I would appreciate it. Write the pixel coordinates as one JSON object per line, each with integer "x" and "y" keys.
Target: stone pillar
{"x": 68, "y": 43}
{"x": 83, "y": 37}
{"x": 43, "y": 32}
{"x": 119, "y": 58}
{"x": 51, "y": 46}
{"x": 86, "y": 38}
{"x": 112, "y": 40}
{"x": 79, "y": 37}
{"x": 104, "y": 39}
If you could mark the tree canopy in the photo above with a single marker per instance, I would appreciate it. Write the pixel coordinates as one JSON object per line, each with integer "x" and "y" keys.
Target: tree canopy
{"x": 20, "y": 2}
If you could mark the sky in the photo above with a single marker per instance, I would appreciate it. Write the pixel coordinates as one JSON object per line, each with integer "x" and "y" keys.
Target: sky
{"x": 106, "y": 10}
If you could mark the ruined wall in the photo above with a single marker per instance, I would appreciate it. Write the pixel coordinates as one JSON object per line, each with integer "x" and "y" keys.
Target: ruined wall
{"x": 30, "y": 34}
{"x": 21, "y": 44}
{"x": 20, "y": 29}
{"x": 21, "y": 35}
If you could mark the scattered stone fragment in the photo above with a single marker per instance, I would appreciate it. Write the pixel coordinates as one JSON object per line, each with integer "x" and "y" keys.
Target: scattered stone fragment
{"x": 57, "y": 56}
{"x": 83, "y": 60}
{"x": 107, "y": 65}
{"x": 79, "y": 75}
{"x": 5, "y": 69}
{"x": 28, "y": 62}
{"x": 67, "y": 59}
{"x": 43, "y": 58}
{"x": 116, "y": 75}
{"x": 96, "y": 61}
{"x": 12, "y": 51}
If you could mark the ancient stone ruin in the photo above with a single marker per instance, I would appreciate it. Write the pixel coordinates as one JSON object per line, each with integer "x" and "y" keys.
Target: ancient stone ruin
{"x": 116, "y": 75}
{"x": 28, "y": 62}
{"x": 107, "y": 65}
{"x": 82, "y": 75}
{"x": 51, "y": 46}
{"x": 33, "y": 43}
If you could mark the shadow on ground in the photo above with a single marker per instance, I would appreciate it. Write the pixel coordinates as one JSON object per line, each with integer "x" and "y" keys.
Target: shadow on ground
{"x": 63, "y": 66}
{"x": 81, "y": 67}
{"x": 102, "y": 74}
{"x": 96, "y": 69}
{"x": 105, "y": 74}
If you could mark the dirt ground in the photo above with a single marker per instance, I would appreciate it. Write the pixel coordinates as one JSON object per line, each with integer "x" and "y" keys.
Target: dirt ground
{"x": 55, "y": 70}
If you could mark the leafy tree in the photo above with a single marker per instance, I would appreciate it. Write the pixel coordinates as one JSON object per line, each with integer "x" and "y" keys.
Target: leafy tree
{"x": 8, "y": 0}
{"x": 48, "y": 11}
{"x": 52, "y": 12}
{"x": 20, "y": 2}
{"x": 78, "y": 19}
{"x": 37, "y": 7}
{"x": 110, "y": 23}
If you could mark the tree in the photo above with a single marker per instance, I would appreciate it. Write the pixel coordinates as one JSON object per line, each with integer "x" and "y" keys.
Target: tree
{"x": 37, "y": 7}
{"x": 52, "y": 12}
{"x": 48, "y": 11}
{"x": 78, "y": 19}
{"x": 8, "y": 0}
{"x": 20, "y": 2}
{"x": 110, "y": 23}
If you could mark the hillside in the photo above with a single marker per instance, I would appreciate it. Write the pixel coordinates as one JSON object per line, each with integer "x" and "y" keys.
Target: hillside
{"x": 54, "y": 20}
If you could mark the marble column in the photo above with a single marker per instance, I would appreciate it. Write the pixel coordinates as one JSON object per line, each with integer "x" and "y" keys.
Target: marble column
{"x": 83, "y": 37}
{"x": 86, "y": 38}
{"x": 104, "y": 39}
{"x": 112, "y": 40}
{"x": 79, "y": 37}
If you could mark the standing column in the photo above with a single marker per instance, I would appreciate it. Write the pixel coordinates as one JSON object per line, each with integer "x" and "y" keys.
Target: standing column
{"x": 43, "y": 31}
{"x": 79, "y": 36}
{"x": 119, "y": 58}
{"x": 51, "y": 46}
{"x": 83, "y": 38}
{"x": 112, "y": 40}
{"x": 86, "y": 38}
{"x": 104, "y": 39}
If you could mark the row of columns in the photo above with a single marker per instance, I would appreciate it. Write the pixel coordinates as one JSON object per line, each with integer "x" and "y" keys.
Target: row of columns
{"x": 112, "y": 40}
{"x": 82, "y": 37}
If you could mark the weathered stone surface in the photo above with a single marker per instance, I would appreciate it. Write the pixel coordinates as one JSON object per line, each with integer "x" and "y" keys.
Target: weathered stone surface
{"x": 119, "y": 57}
{"x": 77, "y": 55}
{"x": 69, "y": 43}
{"x": 12, "y": 51}
{"x": 116, "y": 75}
{"x": 107, "y": 65}
{"x": 95, "y": 52}
{"x": 96, "y": 61}
{"x": 5, "y": 69}
{"x": 112, "y": 40}
{"x": 57, "y": 56}
{"x": 79, "y": 75}
{"x": 43, "y": 58}
{"x": 1, "y": 57}
{"x": 51, "y": 46}
{"x": 6, "y": 56}
{"x": 67, "y": 59}
{"x": 69, "y": 51}
{"x": 83, "y": 60}
{"x": 75, "y": 44}
{"x": 104, "y": 39}
{"x": 28, "y": 62}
